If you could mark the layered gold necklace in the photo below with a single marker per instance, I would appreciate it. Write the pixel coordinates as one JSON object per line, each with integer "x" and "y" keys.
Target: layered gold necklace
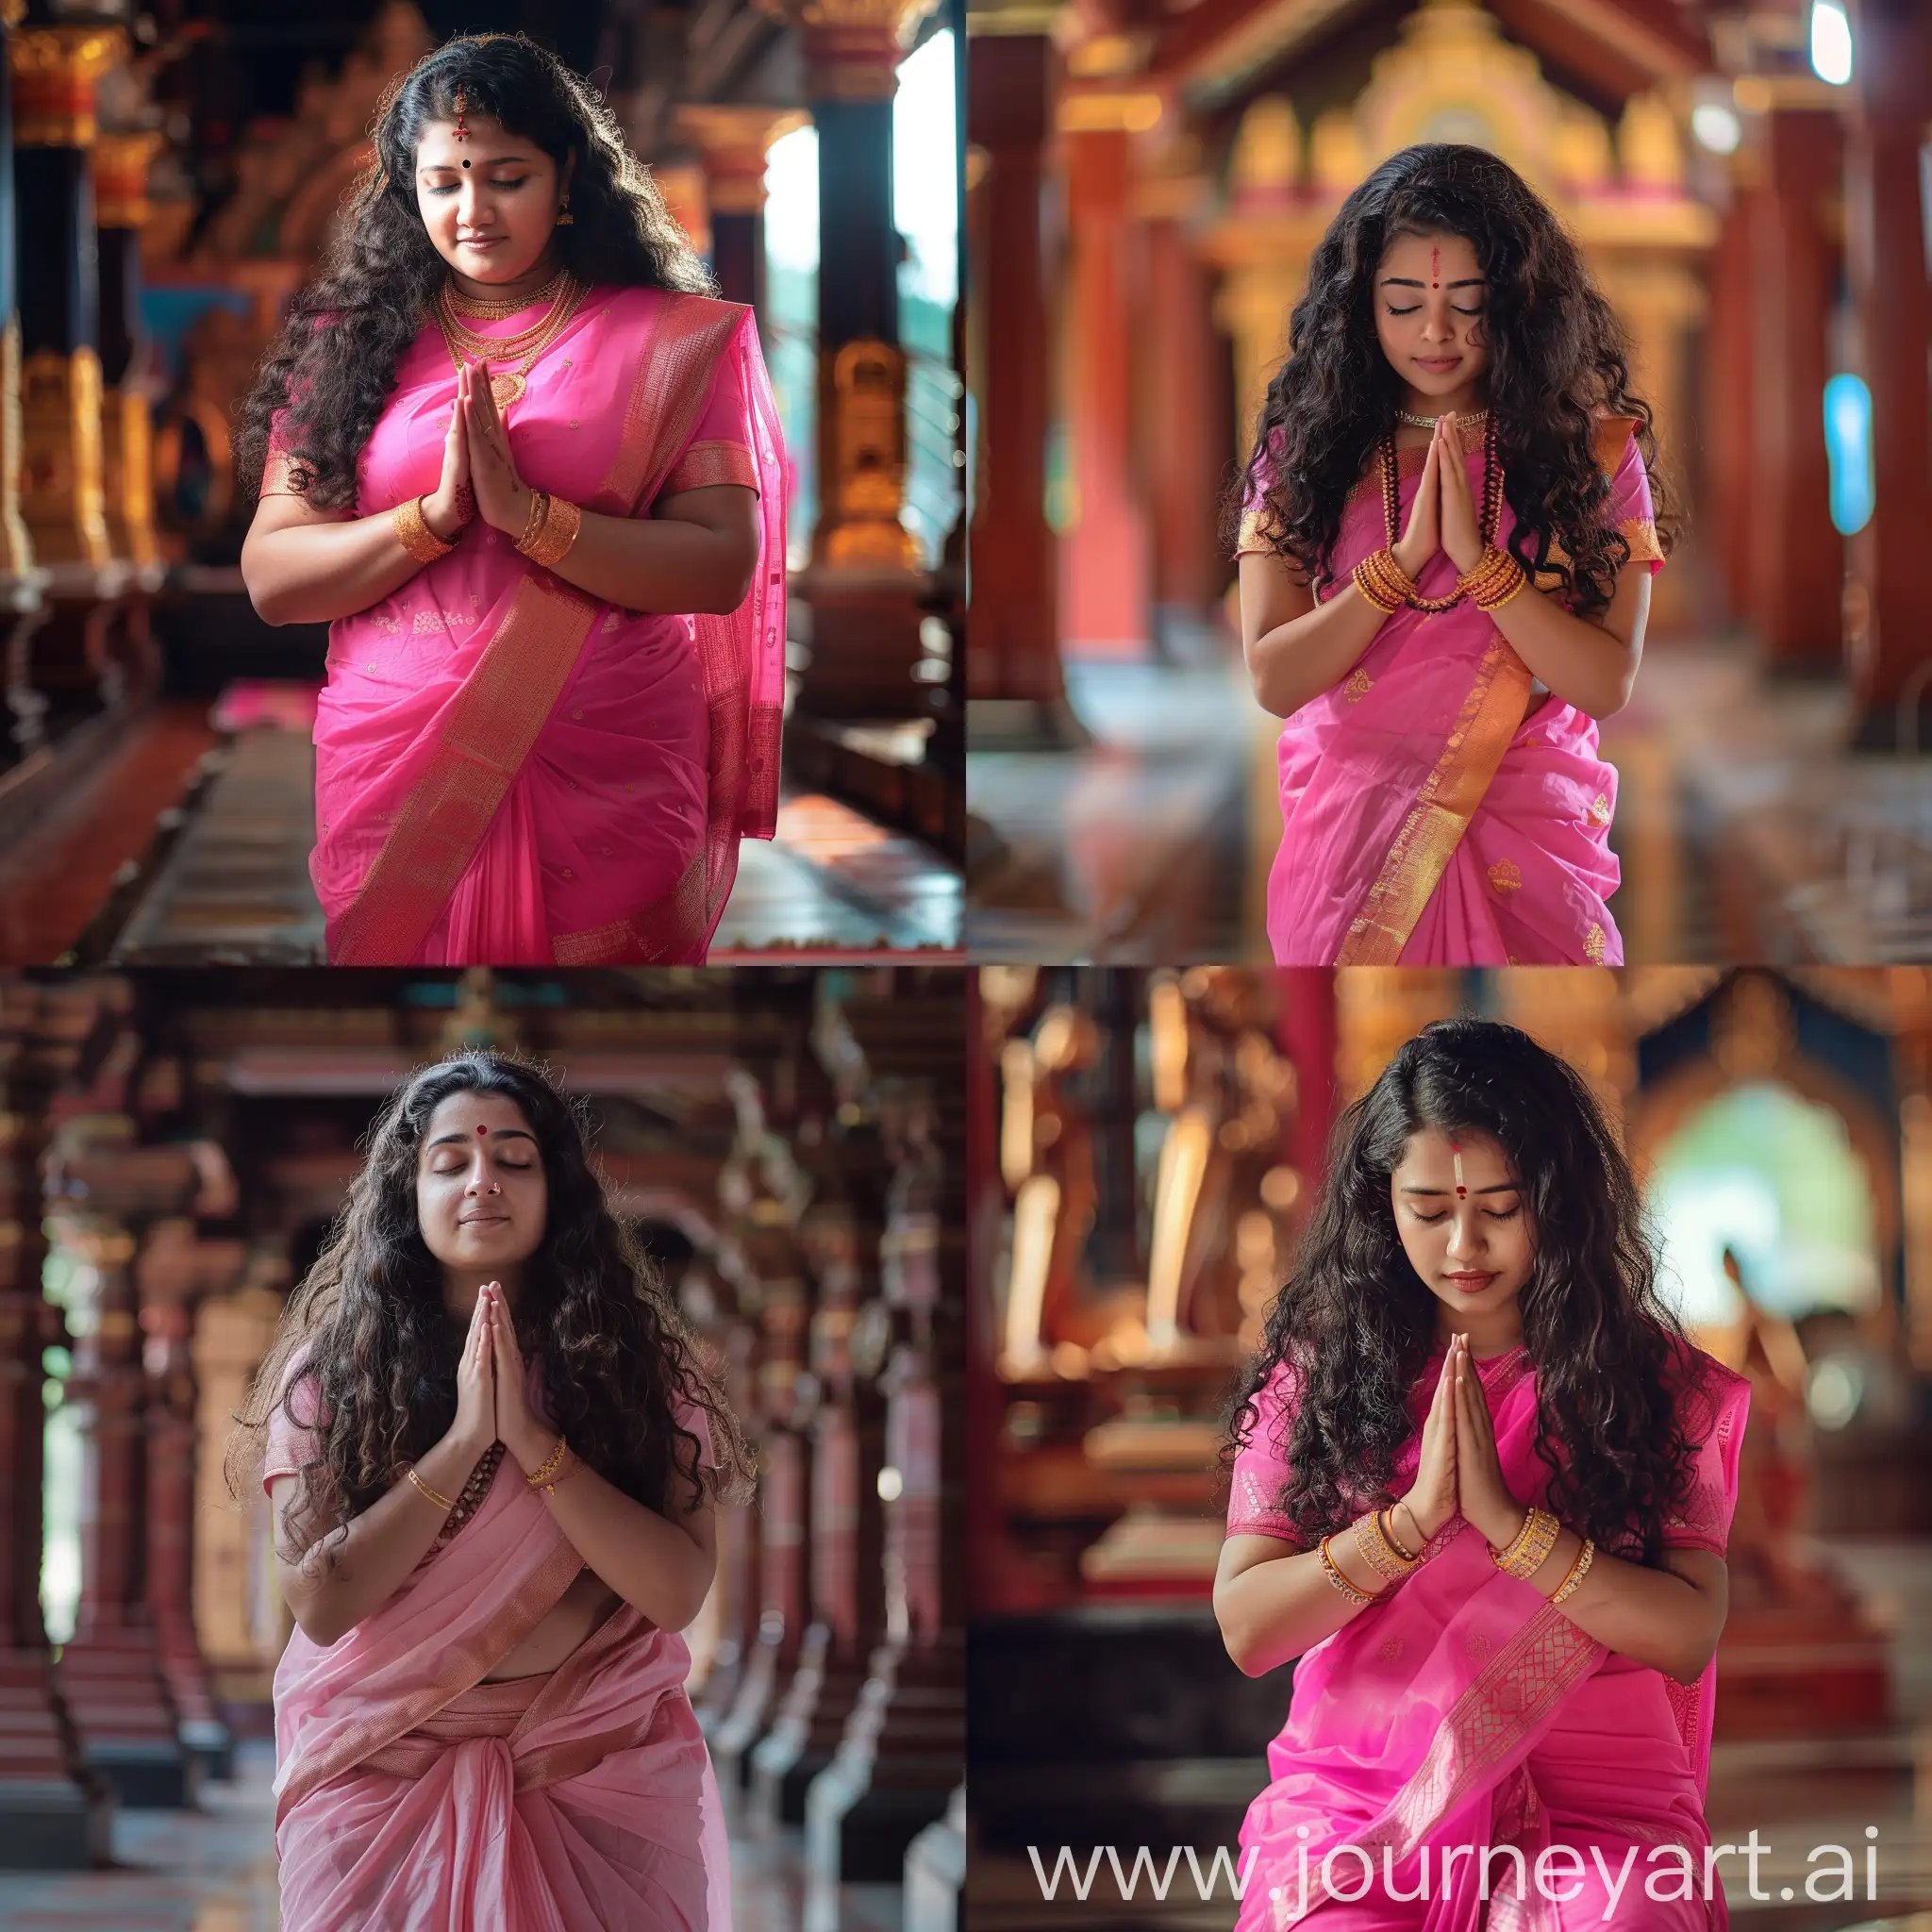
{"x": 478, "y": 308}
{"x": 528, "y": 344}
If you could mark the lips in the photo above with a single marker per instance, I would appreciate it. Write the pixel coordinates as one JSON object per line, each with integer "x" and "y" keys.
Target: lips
{"x": 487, "y": 241}
{"x": 482, "y": 1220}
{"x": 1439, "y": 365}
{"x": 1470, "y": 1284}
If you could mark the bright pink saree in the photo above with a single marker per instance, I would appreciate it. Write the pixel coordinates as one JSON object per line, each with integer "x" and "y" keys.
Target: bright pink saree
{"x": 507, "y": 771}
{"x": 1425, "y": 820}
{"x": 413, "y": 1797}
{"x": 1464, "y": 1709}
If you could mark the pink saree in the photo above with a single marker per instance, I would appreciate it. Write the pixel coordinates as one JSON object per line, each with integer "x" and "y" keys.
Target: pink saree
{"x": 1426, "y": 820}
{"x": 507, "y": 771}
{"x": 1463, "y": 1709}
{"x": 412, "y": 1796}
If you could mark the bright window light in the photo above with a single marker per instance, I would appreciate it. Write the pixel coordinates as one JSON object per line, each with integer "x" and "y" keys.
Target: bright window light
{"x": 1848, "y": 452}
{"x": 1714, "y": 126}
{"x": 1831, "y": 42}
{"x": 926, "y": 182}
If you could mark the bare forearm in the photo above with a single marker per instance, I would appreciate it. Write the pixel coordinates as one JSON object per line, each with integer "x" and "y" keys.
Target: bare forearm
{"x": 316, "y": 573}
{"x": 341, "y": 1580}
{"x": 644, "y": 563}
{"x": 1583, "y": 663}
{"x": 1653, "y": 1617}
{"x": 1283, "y": 1606}
{"x": 1300, "y": 660}
{"x": 643, "y": 1557}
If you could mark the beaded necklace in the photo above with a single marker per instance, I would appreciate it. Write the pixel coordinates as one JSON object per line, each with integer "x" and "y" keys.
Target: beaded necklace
{"x": 1486, "y": 523}
{"x": 471, "y": 1498}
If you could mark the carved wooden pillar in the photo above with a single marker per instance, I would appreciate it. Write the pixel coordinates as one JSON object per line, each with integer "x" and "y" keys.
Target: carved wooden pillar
{"x": 904, "y": 1747}
{"x": 1797, "y": 575}
{"x": 1727, "y": 395}
{"x": 1105, "y": 556}
{"x": 106, "y": 1194}
{"x": 54, "y": 1811}
{"x": 1886, "y": 633}
{"x": 120, "y": 212}
{"x": 1014, "y": 680}
{"x": 738, "y": 1538}
{"x": 735, "y": 141}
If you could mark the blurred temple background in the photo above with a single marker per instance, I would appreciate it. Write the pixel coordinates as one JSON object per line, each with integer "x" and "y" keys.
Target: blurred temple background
{"x": 1745, "y": 183}
{"x": 175, "y": 1144}
{"x": 173, "y": 172}
{"x": 1143, "y": 1150}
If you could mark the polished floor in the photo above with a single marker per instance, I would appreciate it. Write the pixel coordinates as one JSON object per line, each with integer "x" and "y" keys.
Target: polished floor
{"x": 1745, "y": 830}
{"x": 184, "y": 848}
{"x": 214, "y": 1870}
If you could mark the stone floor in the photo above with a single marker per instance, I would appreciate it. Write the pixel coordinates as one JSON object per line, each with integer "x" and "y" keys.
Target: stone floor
{"x": 214, "y": 1870}
{"x": 229, "y": 879}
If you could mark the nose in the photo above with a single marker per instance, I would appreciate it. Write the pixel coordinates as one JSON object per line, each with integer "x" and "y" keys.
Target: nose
{"x": 1465, "y": 1238}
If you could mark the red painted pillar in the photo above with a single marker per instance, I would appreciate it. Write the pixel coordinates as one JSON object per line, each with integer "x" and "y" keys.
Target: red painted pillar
{"x": 1886, "y": 636}
{"x": 1307, "y": 1033}
{"x": 1730, "y": 429}
{"x": 1104, "y": 557}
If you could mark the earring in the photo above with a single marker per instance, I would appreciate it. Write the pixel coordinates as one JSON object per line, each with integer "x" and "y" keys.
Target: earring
{"x": 565, "y": 218}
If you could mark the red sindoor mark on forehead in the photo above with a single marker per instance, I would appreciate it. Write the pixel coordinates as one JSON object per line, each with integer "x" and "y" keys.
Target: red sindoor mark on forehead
{"x": 1435, "y": 268}
{"x": 1456, "y": 1154}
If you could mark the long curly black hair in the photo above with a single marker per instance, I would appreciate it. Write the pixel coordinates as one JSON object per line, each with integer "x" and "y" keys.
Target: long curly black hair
{"x": 1558, "y": 358}
{"x": 1622, "y": 1401}
{"x": 334, "y": 362}
{"x": 369, "y": 1321}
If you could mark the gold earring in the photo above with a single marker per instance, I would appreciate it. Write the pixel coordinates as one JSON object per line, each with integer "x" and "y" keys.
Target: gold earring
{"x": 565, "y": 218}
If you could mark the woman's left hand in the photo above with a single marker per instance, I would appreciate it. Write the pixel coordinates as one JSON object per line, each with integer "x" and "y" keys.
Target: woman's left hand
{"x": 1462, "y": 537}
{"x": 1482, "y": 1493}
{"x": 517, "y": 1429}
{"x": 502, "y": 501}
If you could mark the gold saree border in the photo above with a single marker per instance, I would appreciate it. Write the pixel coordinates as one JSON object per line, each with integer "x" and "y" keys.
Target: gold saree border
{"x": 705, "y": 465}
{"x": 499, "y": 714}
{"x": 534, "y": 1601}
{"x": 1491, "y": 715}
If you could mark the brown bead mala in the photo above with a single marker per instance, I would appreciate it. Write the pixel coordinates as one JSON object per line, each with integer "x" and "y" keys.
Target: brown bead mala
{"x": 470, "y": 1499}
{"x": 1487, "y": 519}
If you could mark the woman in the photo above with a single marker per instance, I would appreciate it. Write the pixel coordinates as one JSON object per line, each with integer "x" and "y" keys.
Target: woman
{"x": 1481, "y": 1486}
{"x": 480, "y": 1719}
{"x": 531, "y": 475}
{"x": 1455, "y": 428}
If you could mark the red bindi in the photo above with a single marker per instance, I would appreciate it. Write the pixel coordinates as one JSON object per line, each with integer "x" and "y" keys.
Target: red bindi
{"x": 1435, "y": 268}
{"x": 482, "y": 1130}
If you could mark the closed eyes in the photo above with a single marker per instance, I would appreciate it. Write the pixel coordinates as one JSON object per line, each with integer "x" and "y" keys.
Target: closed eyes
{"x": 451, "y": 187}
{"x": 1416, "y": 310}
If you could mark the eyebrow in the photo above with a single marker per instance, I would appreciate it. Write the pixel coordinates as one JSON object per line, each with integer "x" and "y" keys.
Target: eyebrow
{"x": 1409, "y": 282}
{"x": 498, "y": 1133}
{"x": 1494, "y": 1188}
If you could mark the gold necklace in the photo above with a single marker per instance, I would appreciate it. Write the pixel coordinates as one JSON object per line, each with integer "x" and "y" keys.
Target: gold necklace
{"x": 475, "y": 308}
{"x": 1475, "y": 419}
{"x": 507, "y": 348}
{"x": 508, "y": 386}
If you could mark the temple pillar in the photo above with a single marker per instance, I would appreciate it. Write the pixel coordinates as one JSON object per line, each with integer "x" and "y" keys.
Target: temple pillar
{"x": 866, "y": 582}
{"x": 738, "y": 1547}
{"x": 1105, "y": 554}
{"x": 734, "y": 140}
{"x": 1798, "y": 565}
{"x": 66, "y": 679}
{"x": 110, "y": 1673}
{"x": 1016, "y": 692}
{"x": 54, "y": 1811}
{"x": 1885, "y": 249}
{"x": 1727, "y": 384}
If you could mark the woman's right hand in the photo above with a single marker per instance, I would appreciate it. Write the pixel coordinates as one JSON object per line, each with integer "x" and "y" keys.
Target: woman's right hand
{"x": 1422, "y": 539}
{"x": 451, "y": 504}
{"x": 476, "y": 1423}
{"x": 1432, "y": 1498}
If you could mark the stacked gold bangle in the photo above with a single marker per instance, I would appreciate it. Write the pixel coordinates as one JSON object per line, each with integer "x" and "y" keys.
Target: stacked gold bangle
{"x": 417, "y": 538}
{"x": 1578, "y": 1571}
{"x": 549, "y": 530}
{"x": 1339, "y": 1580}
{"x": 1496, "y": 579}
{"x": 1530, "y": 1550}
{"x": 1383, "y": 582}
{"x": 1380, "y": 1551}
{"x": 551, "y": 1471}
{"x": 442, "y": 1502}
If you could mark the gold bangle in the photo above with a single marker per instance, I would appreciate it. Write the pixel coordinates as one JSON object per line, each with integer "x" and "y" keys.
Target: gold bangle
{"x": 1578, "y": 1571}
{"x": 1379, "y": 1553}
{"x": 563, "y": 1475}
{"x": 1531, "y": 1546}
{"x": 413, "y": 532}
{"x": 533, "y": 519}
{"x": 1369, "y": 580}
{"x": 1385, "y": 1522}
{"x": 1350, "y": 1590}
{"x": 443, "y": 1502}
{"x": 558, "y": 532}
{"x": 537, "y": 1477}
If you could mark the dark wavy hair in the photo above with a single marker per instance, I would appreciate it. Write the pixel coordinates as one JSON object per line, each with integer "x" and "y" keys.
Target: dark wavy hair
{"x": 334, "y": 362}
{"x": 369, "y": 1321}
{"x": 1358, "y": 1324}
{"x": 1558, "y": 360}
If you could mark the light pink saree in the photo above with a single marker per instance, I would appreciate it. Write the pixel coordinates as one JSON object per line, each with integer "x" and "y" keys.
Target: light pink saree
{"x": 1425, "y": 820}
{"x": 413, "y": 1797}
{"x": 1464, "y": 1709}
{"x": 507, "y": 771}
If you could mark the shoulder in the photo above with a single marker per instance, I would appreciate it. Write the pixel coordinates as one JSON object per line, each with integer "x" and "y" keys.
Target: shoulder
{"x": 1709, "y": 1397}
{"x": 690, "y": 312}
{"x": 1611, "y": 440}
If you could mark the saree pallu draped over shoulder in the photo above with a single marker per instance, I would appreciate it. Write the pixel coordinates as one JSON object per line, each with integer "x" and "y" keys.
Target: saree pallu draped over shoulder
{"x": 411, "y": 1796}
{"x": 1429, "y": 816}
{"x": 1461, "y": 1722}
{"x": 508, "y": 770}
